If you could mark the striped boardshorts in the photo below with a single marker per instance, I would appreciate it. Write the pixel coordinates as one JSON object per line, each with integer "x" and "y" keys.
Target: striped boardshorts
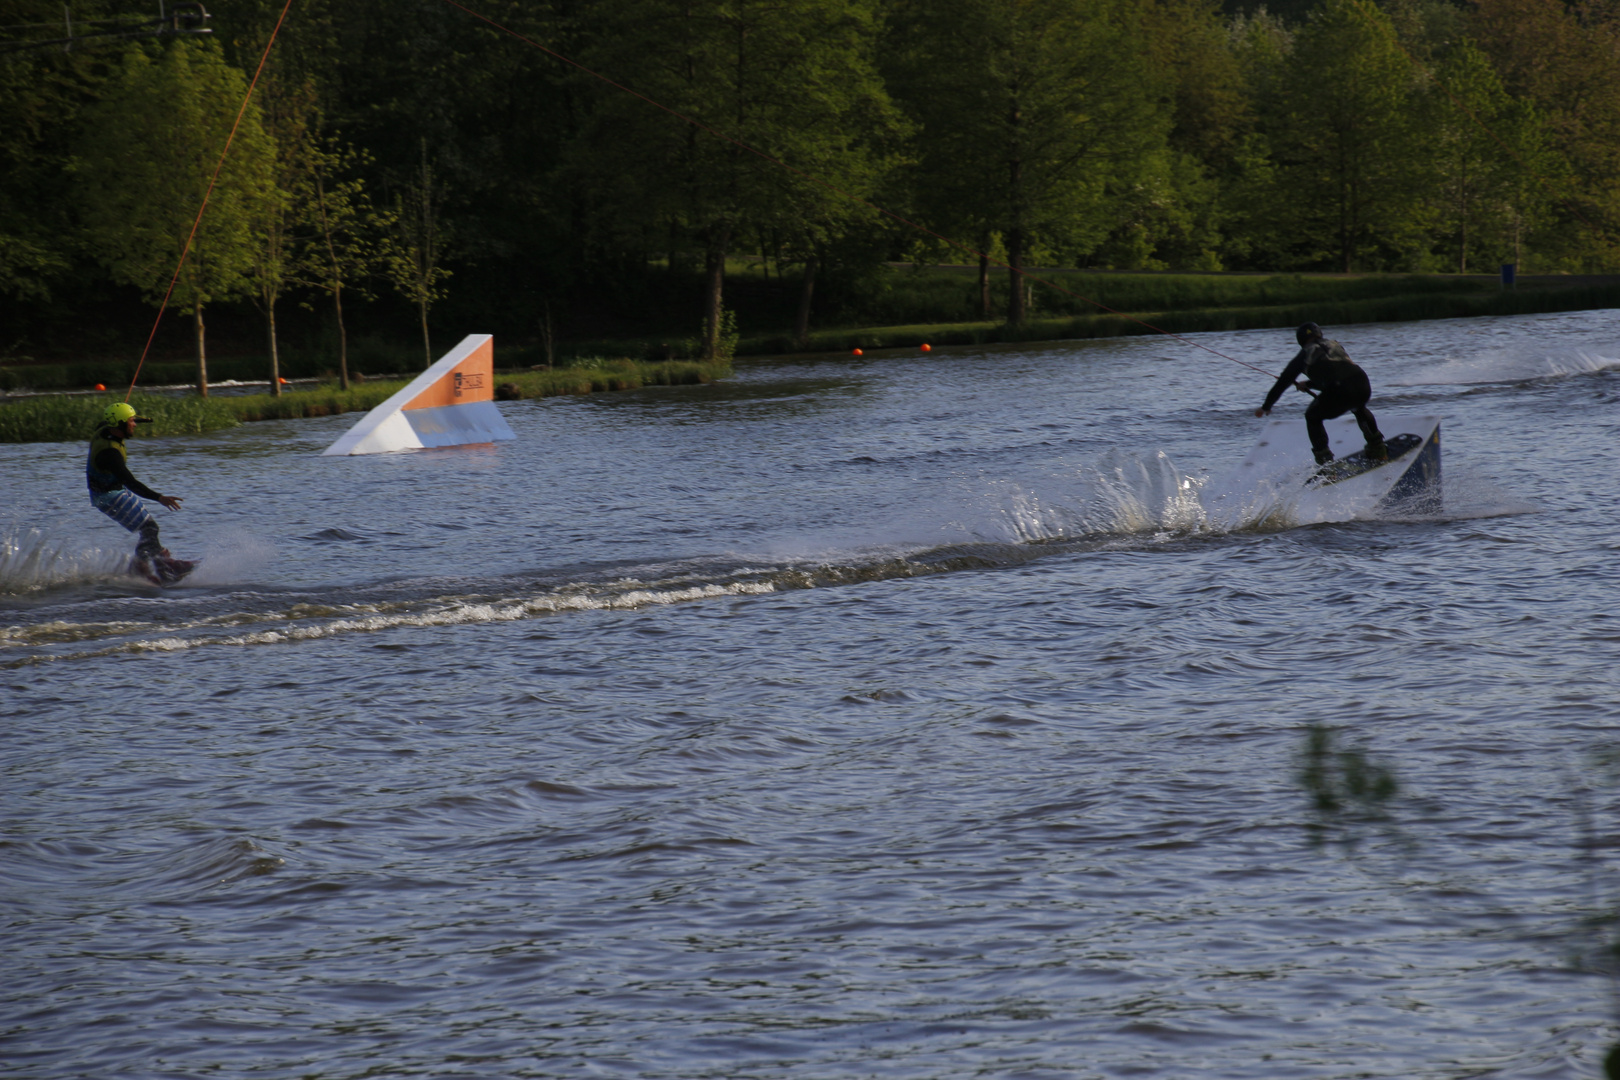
{"x": 123, "y": 507}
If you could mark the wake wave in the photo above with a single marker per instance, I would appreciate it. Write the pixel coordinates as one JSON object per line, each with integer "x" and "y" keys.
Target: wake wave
{"x": 1498, "y": 367}
{"x": 1123, "y": 499}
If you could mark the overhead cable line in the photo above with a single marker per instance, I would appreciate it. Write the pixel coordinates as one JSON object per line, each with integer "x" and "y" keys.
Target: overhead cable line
{"x": 223, "y": 154}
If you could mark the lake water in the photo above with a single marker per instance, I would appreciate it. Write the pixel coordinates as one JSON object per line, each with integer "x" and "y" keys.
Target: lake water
{"x": 889, "y": 717}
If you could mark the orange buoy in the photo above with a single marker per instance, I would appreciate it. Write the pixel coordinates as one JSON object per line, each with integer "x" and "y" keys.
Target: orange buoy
{"x": 926, "y": 347}
{"x": 101, "y": 386}
{"x": 857, "y": 352}
{"x": 282, "y": 381}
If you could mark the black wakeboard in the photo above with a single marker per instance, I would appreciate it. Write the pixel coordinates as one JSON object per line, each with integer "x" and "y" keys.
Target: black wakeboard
{"x": 1357, "y": 463}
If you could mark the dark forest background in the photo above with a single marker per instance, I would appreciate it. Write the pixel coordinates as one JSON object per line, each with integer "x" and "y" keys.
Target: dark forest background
{"x": 410, "y": 166}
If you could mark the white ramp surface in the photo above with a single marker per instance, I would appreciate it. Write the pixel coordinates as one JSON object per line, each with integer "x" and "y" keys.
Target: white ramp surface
{"x": 452, "y": 403}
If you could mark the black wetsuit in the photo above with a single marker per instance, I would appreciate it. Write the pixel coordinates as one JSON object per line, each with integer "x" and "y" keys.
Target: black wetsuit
{"x": 107, "y": 467}
{"x": 1341, "y": 387}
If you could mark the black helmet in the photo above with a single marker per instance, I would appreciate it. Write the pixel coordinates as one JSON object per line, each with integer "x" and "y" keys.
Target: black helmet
{"x": 1307, "y": 333}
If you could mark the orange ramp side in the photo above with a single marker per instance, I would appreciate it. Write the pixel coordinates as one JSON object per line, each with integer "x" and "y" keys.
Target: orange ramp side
{"x": 468, "y": 380}
{"x": 452, "y": 403}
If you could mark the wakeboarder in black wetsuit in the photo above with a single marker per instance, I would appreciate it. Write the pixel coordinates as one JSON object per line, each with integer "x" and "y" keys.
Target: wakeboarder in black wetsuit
{"x": 1341, "y": 387}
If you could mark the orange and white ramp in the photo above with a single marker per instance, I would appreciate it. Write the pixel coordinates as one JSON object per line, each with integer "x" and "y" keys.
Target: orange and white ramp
{"x": 452, "y": 403}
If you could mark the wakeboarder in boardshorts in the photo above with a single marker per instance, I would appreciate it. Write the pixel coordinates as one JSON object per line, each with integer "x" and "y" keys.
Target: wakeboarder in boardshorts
{"x": 115, "y": 492}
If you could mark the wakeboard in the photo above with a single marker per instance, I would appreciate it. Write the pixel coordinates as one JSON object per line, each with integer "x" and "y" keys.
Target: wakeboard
{"x": 163, "y": 570}
{"x": 1277, "y": 476}
{"x": 1357, "y": 463}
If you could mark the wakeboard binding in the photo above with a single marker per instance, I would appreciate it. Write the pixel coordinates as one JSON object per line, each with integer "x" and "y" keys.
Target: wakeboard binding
{"x": 1336, "y": 469}
{"x": 162, "y": 569}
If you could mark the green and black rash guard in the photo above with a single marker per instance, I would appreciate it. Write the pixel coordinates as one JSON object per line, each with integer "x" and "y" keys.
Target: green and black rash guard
{"x": 1324, "y": 364}
{"x": 107, "y": 467}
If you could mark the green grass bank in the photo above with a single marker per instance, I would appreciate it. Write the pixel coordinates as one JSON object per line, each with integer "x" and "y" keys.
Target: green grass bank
{"x": 1183, "y": 304}
{"x": 904, "y": 307}
{"x": 893, "y": 306}
{"x": 63, "y": 418}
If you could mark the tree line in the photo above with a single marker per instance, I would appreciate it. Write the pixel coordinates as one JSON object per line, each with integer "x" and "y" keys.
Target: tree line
{"x": 562, "y": 156}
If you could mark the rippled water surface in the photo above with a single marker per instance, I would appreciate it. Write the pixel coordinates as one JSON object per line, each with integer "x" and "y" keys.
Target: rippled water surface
{"x": 896, "y": 717}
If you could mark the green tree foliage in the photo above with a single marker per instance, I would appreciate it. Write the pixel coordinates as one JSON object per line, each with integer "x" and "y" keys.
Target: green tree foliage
{"x": 41, "y": 93}
{"x": 1040, "y": 121}
{"x": 414, "y": 249}
{"x": 289, "y": 114}
{"x": 793, "y": 81}
{"x": 149, "y": 150}
{"x": 1351, "y": 162}
{"x": 1355, "y": 135}
{"x": 1562, "y": 59}
{"x": 343, "y": 236}
{"x": 1253, "y": 236}
{"x": 1197, "y": 70}
{"x": 1489, "y": 156}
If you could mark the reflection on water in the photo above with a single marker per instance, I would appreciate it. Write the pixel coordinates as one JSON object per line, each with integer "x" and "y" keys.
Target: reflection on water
{"x": 904, "y": 716}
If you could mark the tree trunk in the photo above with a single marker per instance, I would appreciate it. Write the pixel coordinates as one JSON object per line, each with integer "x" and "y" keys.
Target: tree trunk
{"x": 337, "y": 283}
{"x": 275, "y": 360}
{"x": 1462, "y": 244}
{"x": 427, "y": 344}
{"x": 202, "y": 353}
{"x": 714, "y": 273}
{"x": 801, "y": 325}
{"x": 1015, "y": 231}
{"x": 1346, "y": 227}
{"x": 1015, "y": 264}
{"x": 343, "y": 336}
{"x": 984, "y": 278}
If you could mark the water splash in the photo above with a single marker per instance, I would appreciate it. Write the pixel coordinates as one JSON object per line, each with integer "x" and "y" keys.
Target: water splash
{"x": 32, "y": 560}
{"x": 1135, "y": 494}
{"x": 291, "y": 620}
{"x": 1124, "y": 493}
{"x": 229, "y": 558}
{"x": 1124, "y": 496}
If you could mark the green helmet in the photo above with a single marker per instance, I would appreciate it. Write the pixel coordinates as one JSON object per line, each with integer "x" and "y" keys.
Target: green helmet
{"x": 118, "y": 412}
